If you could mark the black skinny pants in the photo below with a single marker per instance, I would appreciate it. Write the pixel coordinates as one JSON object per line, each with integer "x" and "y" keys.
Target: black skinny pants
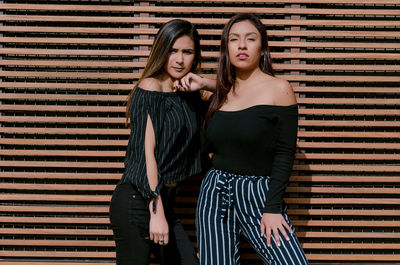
{"x": 129, "y": 216}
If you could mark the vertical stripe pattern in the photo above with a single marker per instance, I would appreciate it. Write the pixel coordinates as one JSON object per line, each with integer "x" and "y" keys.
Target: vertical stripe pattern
{"x": 230, "y": 205}
{"x": 175, "y": 122}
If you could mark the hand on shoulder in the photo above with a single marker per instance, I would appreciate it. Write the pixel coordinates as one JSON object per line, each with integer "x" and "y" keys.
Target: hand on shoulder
{"x": 151, "y": 84}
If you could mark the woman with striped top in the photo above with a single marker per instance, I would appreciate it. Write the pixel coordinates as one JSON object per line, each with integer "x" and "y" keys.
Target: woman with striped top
{"x": 251, "y": 129}
{"x": 163, "y": 149}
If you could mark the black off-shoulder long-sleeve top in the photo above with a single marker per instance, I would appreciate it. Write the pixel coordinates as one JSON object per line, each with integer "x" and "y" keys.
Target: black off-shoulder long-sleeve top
{"x": 259, "y": 140}
{"x": 176, "y": 117}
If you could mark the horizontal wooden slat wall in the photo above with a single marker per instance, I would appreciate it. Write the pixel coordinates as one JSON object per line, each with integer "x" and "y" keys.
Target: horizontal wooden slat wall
{"x": 67, "y": 66}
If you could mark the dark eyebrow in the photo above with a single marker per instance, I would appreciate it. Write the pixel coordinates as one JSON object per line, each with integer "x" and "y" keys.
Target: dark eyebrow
{"x": 247, "y": 34}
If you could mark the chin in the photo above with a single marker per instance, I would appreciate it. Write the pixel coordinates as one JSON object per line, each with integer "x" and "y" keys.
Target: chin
{"x": 178, "y": 75}
{"x": 244, "y": 66}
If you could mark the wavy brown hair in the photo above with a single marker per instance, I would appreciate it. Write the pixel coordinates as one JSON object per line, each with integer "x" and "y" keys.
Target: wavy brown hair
{"x": 226, "y": 74}
{"x": 160, "y": 51}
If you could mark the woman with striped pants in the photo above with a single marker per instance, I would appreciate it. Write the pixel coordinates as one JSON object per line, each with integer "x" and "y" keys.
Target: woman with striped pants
{"x": 251, "y": 131}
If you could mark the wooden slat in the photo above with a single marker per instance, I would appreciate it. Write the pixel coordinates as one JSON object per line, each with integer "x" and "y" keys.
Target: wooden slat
{"x": 352, "y": 134}
{"x": 58, "y": 175}
{"x": 351, "y": 223}
{"x": 58, "y": 254}
{"x": 63, "y": 108}
{"x": 352, "y": 2}
{"x": 44, "y": 164}
{"x": 351, "y": 112}
{"x": 354, "y": 123}
{"x": 349, "y": 246}
{"x": 50, "y": 197}
{"x": 144, "y": 53}
{"x": 62, "y": 142}
{"x": 55, "y": 209}
{"x": 264, "y": 10}
{"x": 348, "y": 145}
{"x": 191, "y": 9}
{"x": 64, "y": 187}
{"x": 200, "y": 21}
{"x": 347, "y": 235}
{"x": 330, "y": 89}
{"x": 116, "y": 64}
{"x": 60, "y": 97}
{"x": 351, "y": 168}
{"x": 69, "y": 86}
{"x": 10, "y": 262}
{"x": 355, "y": 257}
{"x": 54, "y": 220}
{"x": 38, "y": 120}
{"x": 343, "y": 190}
{"x": 88, "y": 30}
{"x": 62, "y": 153}
{"x": 343, "y": 156}
{"x": 56, "y": 243}
{"x": 203, "y": 42}
{"x": 63, "y": 131}
{"x": 346, "y": 179}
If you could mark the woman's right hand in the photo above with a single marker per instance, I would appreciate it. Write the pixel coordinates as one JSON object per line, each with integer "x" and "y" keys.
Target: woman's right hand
{"x": 159, "y": 230}
{"x": 194, "y": 82}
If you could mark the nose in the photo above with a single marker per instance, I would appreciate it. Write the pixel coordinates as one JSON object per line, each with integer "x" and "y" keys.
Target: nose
{"x": 179, "y": 58}
{"x": 242, "y": 44}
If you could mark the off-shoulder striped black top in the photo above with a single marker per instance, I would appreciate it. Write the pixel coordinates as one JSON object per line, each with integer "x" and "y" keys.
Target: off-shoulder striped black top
{"x": 176, "y": 118}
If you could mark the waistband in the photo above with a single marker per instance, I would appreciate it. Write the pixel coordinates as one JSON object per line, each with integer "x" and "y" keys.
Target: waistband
{"x": 223, "y": 187}
{"x": 235, "y": 175}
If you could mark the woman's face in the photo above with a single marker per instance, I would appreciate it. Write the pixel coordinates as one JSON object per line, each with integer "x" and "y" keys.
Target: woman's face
{"x": 244, "y": 46}
{"x": 180, "y": 58}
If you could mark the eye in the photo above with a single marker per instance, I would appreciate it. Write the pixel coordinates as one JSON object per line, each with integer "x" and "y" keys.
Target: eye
{"x": 233, "y": 39}
{"x": 173, "y": 51}
{"x": 251, "y": 39}
{"x": 188, "y": 52}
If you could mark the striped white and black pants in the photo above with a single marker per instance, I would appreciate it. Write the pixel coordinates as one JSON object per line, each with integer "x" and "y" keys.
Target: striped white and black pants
{"x": 230, "y": 205}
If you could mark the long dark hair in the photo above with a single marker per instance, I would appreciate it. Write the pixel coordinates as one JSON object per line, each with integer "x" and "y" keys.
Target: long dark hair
{"x": 226, "y": 74}
{"x": 162, "y": 45}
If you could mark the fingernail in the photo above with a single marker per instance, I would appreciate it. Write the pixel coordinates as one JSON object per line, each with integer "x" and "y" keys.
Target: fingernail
{"x": 288, "y": 239}
{"x": 279, "y": 244}
{"x": 269, "y": 245}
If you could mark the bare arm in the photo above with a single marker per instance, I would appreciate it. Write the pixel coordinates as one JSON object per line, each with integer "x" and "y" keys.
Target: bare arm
{"x": 158, "y": 224}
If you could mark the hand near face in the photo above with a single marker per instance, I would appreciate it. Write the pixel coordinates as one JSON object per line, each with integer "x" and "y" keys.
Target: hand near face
{"x": 194, "y": 82}
{"x": 190, "y": 82}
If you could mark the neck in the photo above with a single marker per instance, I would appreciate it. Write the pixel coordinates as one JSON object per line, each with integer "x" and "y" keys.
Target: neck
{"x": 167, "y": 83}
{"x": 245, "y": 76}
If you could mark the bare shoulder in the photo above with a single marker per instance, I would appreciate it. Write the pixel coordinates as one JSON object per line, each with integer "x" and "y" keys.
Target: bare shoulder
{"x": 283, "y": 92}
{"x": 150, "y": 84}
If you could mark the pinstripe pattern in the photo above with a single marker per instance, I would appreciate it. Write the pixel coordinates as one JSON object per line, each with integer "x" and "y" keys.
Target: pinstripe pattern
{"x": 175, "y": 122}
{"x": 230, "y": 205}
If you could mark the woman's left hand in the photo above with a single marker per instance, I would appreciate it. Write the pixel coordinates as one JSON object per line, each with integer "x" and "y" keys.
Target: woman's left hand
{"x": 273, "y": 223}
